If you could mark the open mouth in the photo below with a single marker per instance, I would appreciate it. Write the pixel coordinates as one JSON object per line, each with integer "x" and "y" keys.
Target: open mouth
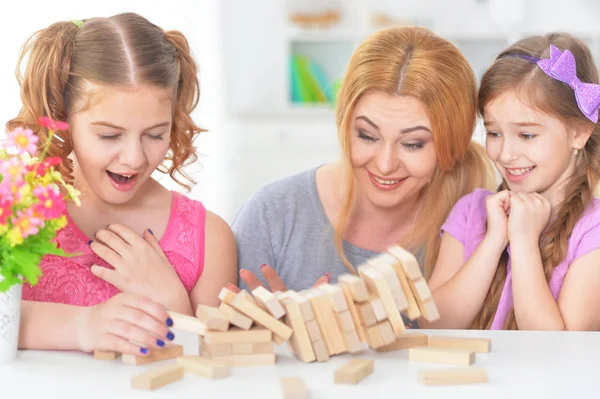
{"x": 520, "y": 171}
{"x": 122, "y": 182}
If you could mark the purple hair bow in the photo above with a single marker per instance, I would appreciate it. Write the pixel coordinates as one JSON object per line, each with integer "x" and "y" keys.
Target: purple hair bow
{"x": 561, "y": 66}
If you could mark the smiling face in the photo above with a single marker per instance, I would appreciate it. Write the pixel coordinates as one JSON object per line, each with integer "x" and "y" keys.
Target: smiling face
{"x": 532, "y": 150}
{"x": 120, "y": 138}
{"x": 392, "y": 149}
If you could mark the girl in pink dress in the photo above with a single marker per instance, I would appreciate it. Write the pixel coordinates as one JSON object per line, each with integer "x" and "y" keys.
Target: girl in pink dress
{"x": 127, "y": 89}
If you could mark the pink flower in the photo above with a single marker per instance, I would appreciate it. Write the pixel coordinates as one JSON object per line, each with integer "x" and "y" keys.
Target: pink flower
{"x": 52, "y": 124}
{"x": 12, "y": 170}
{"x": 26, "y": 223}
{"x": 51, "y": 205}
{"x": 24, "y": 139}
{"x": 5, "y": 208}
{"x": 42, "y": 168}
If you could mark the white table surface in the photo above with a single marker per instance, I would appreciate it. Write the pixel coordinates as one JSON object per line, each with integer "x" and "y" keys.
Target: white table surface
{"x": 520, "y": 364}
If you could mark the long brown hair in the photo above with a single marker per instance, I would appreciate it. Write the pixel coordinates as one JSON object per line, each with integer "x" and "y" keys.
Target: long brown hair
{"x": 511, "y": 72}
{"x": 124, "y": 50}
{"x": 414, "y": 61}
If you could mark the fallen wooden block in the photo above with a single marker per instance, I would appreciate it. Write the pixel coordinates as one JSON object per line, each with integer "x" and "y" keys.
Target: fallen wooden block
{"x": 170, "y": 351}
{"x": 211, "y": 350}
{"x": 204, "y": 367}
{"x": 453, "y": 376}
{"x": 236, "y": 318}
{"x": 265, "y": 359}
{"x": 234, "y": 335}
{"x": 187, "y": 323}
{"x": 105, "y": 355}
{"x": 405, "y": 341}
{"x": 212, "y": 318}
{"x": 157, "y": 377}
{"x": 479, "y": 345}
{"x": 268, "y": 301}
{"x": 356, "y": 286}
{"x": 441, "y": 355}
{"x": 293, "y": 388}
{"x": 354, "y": 371}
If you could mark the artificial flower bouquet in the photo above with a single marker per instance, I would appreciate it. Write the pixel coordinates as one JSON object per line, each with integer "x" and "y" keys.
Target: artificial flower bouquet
{"x": 33, "y": 199}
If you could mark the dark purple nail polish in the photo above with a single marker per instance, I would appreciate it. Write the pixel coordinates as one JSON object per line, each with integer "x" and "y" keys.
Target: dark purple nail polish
{"x": 160, "y": 342}
{"x": 144, "y": 350}
{"x": 170, "y": 336}
{"x": 169, "y": 322}
{"x": 150, "y": 231}
{"x": 90, "y": 242}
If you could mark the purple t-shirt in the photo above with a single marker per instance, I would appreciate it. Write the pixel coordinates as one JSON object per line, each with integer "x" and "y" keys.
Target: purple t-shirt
{"x": 467, "y": 223}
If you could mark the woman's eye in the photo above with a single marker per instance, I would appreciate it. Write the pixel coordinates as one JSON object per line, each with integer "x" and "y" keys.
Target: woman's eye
{"x": 366, "y": 137}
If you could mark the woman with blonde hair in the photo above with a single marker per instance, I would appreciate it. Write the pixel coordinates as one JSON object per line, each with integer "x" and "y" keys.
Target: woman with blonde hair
{"x": 406, "y": 112}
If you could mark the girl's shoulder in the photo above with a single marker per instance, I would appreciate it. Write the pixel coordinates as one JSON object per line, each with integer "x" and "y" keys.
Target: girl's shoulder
{"x": 474, "y": 201}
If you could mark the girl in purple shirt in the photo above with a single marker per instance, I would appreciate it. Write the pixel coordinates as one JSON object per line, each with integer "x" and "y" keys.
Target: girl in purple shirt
{"x": 526, "y": 256}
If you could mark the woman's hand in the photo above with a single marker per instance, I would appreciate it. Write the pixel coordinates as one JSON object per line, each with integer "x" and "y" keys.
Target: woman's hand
{"x": 140, "y": 265}
{"x": 125, "y": 323}
{"x": 274, "y": 282}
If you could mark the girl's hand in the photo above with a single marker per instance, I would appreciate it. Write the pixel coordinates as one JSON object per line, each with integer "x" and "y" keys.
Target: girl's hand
{"x": 529, "y": 215}
{"x": 125, "y": 323}
{"x": 140, "y": 265}
{"x": 275, "y": 283}
{"x": 498, "y": 207}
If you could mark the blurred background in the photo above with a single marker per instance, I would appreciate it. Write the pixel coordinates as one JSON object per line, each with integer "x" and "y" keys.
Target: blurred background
{"x": 269, "y": 69}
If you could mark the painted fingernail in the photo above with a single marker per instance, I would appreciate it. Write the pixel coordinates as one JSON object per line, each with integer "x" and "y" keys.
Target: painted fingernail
{"x": 170, "y": 336}
{"x": 160, "y": 342}
{"x": 230, "y": 286}
{"x": 328, "y": 275}
{"x": 90, "y": 242}
{"x": 150, "y": 231}
{"x": 263, "y": 266}
{"x": 169, "y": 321}
{"x": 144, "y": 350}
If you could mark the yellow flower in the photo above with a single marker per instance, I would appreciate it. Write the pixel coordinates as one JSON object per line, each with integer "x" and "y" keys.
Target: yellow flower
{"x": 14, "y": 237}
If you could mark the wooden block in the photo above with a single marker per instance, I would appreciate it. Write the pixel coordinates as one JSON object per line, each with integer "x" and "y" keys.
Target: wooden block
{"x": 407, "y": 340}
{"x": 378, "y": 309}
{"x": 187, "y": 323}
{"x": 429, "y": 309}
{"x": 261, "y": 348}
{"x": 353, "y": 371}
{"x": 105, "y": 355}
{"x": 387, "y": 333}
{"x": 320, "y": 351}
{"x": 344, "y": 320}
{"x": 261, "y": 317}
{"x": 216, "y": 349}
{"x": 203, "y": 367}
{"x": 453, "y": 376}
{"x": 268, "y": 301}
{"x": 170, "y": 351}
{"x": 412, "y": 310}
{"x": 305, "y": 307}
{"x": 234, "y": 335}
{"x": 352, "y": 342}
{"x": 313, "y": 331}
{"x": 157, "y": 377}
{"x": 421, "y": 289}
{"x": 376, "y": 283}
{"x": 236, "y": 318}
{"x": 320, "y": 317}
{"x": 366, "y": 314}
{"x": 428, "y": 354}
{"x": 247, "y": 296}
{"x": 408, "y": 261}
{"x": 293, "y": 388}
{"x": 334, "y": 292}
{"x": 247, "y": 360}
{"x": 300, "y": 340}
{"x": 333, "y": 331}
{"x": 212, "y": 318}
{"x": 383, "y": 263}
{"x": 356, "y": 286}
{"x": 226, "y": 295}
{"x": 374, "y": 338}
{"x": 243, "y": 348}
{"x": 478, "y": 345}
{"x": 360, "y": 329}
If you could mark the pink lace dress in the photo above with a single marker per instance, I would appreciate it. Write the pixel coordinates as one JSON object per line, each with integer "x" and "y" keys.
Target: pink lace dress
{"x": 70, "y": 281}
